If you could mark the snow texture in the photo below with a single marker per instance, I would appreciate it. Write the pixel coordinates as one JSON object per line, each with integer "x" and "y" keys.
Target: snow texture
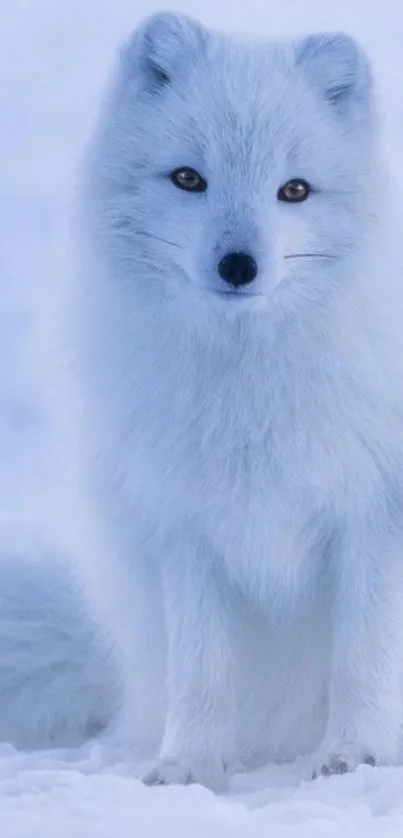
{"x": 53, "y": 59}
{"x": 77, "y": 794}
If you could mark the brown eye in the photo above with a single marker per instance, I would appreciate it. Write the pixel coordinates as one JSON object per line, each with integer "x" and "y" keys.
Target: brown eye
{"x": 189, "y": 179}
{"x": 294, "y": 191}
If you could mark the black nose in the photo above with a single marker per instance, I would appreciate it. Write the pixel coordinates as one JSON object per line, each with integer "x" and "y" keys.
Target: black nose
{"x": 238, "y": 268}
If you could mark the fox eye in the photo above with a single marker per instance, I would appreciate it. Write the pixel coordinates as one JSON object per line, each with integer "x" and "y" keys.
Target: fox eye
{"x": 188, "y": 179}
{"x": 294, "y": 191}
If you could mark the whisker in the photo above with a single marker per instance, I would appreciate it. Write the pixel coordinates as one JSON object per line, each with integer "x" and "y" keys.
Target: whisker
{"x": 158, "y": 238}
{"x": 311, "y": 256}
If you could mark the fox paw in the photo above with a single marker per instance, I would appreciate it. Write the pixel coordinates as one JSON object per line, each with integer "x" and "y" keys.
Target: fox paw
{"x": 339, "y": 758}
{"x": 184, "y": 772}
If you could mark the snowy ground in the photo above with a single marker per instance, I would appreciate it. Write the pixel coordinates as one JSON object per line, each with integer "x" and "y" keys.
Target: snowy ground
{"x": 53, "y": 57}
{"x": 75, "y": 795}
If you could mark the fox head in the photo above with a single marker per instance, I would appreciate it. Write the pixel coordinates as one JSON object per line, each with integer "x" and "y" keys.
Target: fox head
{"x": 239, "y": 172}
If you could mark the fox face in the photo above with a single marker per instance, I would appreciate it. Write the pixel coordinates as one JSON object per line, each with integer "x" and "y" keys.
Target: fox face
{"x": 238, "y": 172}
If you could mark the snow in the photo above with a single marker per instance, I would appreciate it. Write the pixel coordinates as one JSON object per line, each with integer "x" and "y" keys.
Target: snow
{"x": 53, "y": 58}
{"x": 77, "y": 794}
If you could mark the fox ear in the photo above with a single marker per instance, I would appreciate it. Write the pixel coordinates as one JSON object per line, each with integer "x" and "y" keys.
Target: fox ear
{"x": 338, "y": 68}
{"x": 163, "y": 44}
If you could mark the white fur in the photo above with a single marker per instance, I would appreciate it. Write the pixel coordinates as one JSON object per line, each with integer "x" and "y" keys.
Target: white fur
{"x": 57, "y": 681}
{"x": 242, "y": 457}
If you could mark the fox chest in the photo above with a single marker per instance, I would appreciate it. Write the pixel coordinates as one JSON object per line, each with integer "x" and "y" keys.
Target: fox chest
{"x": 256, "y": 477}
{"x": 254, "y": 500}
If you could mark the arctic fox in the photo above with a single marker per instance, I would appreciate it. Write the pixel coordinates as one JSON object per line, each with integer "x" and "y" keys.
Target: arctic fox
{"x": 240, "y": 405}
